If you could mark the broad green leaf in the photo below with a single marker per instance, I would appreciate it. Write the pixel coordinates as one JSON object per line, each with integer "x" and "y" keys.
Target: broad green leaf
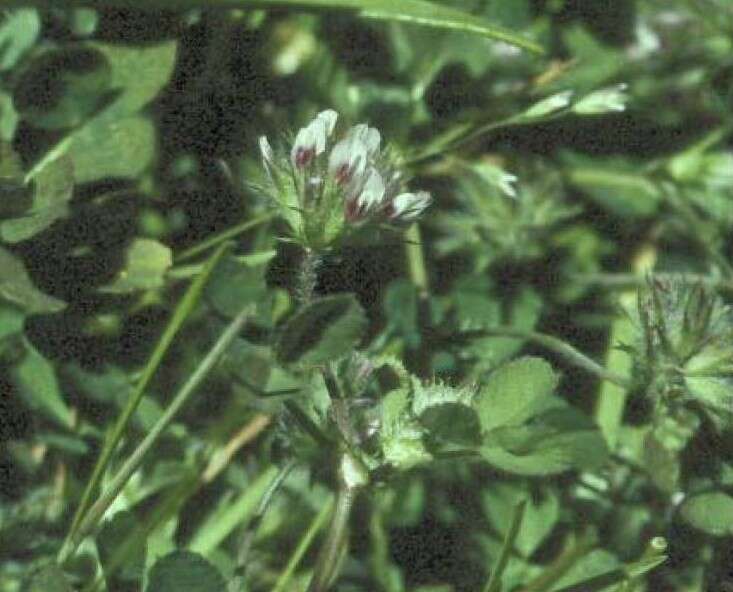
{"x": 540, "y": 516}
{"x": 16, "y": 287}
{"x": 515, "y": 392}
{"x": 183, "y": 571}
{"x": 118, "y": 142}
{"x": 146, "y": 263}
{"x": 322, "y": 331}
{"x": 19, "y": 30}
{"x": 35, "y": 379}
{"x": 54, "y": 185}
{"x": 63, "y": 88}
{"x": 11, "y": 321}
{"x": 106, "y": 147}
{"x": 710, "y": 512}
{"x": 122, "y": 548}
{"x": 599, "y": 563}
{"x": 235, "y": 282}
{"x": 139, "y": 73}
{"x": 49, "y": 578}
{"x": 560, "y": 439}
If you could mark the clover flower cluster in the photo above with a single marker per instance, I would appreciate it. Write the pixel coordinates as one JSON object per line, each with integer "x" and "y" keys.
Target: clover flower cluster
{"x": 352, "y": 175}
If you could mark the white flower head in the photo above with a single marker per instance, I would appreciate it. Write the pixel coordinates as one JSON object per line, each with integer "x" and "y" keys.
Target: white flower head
{"x": 311, "y": 139}
{"x": 407, "y": 207}
{"x": 613, "y": 98}
{"x": 325, "y": 183}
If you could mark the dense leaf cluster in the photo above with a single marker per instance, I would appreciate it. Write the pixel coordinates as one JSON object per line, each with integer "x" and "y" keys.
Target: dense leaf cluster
{"x": 526, "y": 386}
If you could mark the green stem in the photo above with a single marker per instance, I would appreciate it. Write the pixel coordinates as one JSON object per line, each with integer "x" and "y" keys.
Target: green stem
{"x": 238, "y": 582}
{"x": 622, "y": 281}
{"x": 416, "y": 261}
{"x": 559, "y": 347}
{"x": 353, "y": 477}
{"x": 305, "y": 542}
{"x": 97, "y": 510}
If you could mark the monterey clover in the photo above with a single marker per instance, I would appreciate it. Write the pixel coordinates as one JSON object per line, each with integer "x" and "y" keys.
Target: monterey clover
{"x": 328, "y": 189}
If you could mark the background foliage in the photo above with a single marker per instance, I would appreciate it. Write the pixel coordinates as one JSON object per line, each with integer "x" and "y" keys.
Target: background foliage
{"x": 128, "y": 159}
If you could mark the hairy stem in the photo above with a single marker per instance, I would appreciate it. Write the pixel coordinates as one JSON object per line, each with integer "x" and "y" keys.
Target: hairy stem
{"x": 558, "y": 346}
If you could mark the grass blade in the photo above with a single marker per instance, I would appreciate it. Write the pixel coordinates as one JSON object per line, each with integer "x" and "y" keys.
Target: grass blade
{"x": 494, "y": 583}
{"x": 417, "y": 12}
{"x": 183, "y": 310}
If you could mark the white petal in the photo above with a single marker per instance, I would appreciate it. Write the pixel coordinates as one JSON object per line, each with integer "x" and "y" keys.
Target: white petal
{"x": 266, "y": 150}
{"x": 369, "y": 136}
{"x": 329, "y": 117}
{"x": 349, "y": 153}
{"x": 304, "y": 141}
{"x": 373, "y": 190}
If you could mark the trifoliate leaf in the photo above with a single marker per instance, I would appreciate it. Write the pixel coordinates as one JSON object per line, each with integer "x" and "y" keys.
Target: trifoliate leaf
{"x": 324, "y": 330}
{"x": 515, "y": 392}
{"x": 183, "y": 571}
{"x": 146, "y": 264}
{"x": 559, "y": 439}
{"x": 710, "y": 512}
{"x": 104, "y": 147}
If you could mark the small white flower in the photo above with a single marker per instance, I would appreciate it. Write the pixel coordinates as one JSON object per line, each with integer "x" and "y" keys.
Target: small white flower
{"x": 266, "y": 151}
{"x": 311, "y": 139}
{"x": 369, "y": 136}
{"x": 347, "y": 160}
{"x": 406, "y": 207}
{"x": 498, "y": 177}
{"x": 549, "y": 105}
{"x": 613, "y": 98}
{"x": 364, "y": 195}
